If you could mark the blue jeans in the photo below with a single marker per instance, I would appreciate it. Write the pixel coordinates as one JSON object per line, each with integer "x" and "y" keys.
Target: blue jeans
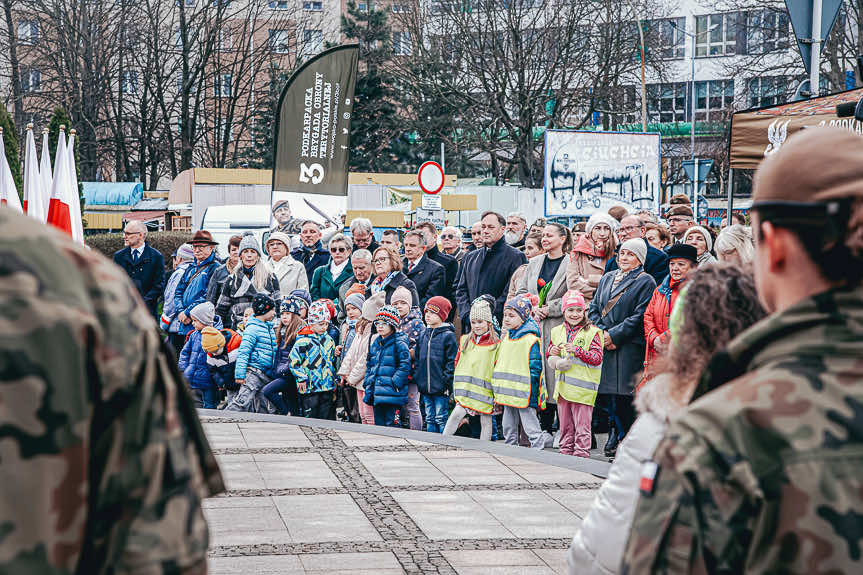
{"x": 286, "y": 402}
{"x": 206, "y": 398}
{"x": 385, "y": 414}
{"x": 437, "y": 412}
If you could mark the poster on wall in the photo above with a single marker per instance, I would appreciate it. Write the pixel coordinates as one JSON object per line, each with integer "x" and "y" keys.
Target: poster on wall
{"x": 586, "y": 172}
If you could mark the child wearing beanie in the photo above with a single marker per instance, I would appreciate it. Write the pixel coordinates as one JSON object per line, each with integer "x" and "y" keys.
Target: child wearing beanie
{"x": 313, "y": 364}
{"x": 387, "y": 368}
{"x": 222, "y": 347}
{"x": 256, "y": 357}
{"x": 474, "y": 366}
{"x": 518, "y": 381}
{"x": 282, "y": 392}
{"x": 193, "y": 358}
{"x": 412, "y": 326}
{"x": 575, "y": 355}
{"x": 352, "y": 371}
{"x": 353, "y": 311}
{"x": 434, "y": 363}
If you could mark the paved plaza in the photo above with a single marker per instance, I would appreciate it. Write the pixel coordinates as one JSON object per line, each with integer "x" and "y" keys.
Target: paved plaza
{"x": 328, "y": 497}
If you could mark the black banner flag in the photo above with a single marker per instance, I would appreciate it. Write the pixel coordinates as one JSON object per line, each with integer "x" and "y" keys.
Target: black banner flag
{"x": 313, "y": 125}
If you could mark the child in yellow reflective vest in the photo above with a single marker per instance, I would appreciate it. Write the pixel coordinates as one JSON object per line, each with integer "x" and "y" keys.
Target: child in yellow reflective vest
{"x": 474, "y": 365}
{"x": 518, "y": 382}
{"x": 575, "y": 354}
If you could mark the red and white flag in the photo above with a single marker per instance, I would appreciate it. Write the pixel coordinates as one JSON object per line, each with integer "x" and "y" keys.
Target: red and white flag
{"x": 45, "y": 171}
{"x": 8, "y": 192}
{"x": 34, "y": 199}
{"x": 74, "y": 196}
{"x": 59, "y": 210}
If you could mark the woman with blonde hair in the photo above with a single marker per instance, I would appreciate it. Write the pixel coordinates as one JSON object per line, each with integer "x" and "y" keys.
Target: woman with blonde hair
{"x": 591, "y": 253}
{"x": 251, "y": 277}
{"x": 719, "y": 304}
{"x": 734, "y": 245}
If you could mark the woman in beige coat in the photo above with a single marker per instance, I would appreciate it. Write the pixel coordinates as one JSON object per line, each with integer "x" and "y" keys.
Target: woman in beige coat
{"x": 544, "y": 269}
{"x": 353, "y": 369}
{"x": 591, "y": 253}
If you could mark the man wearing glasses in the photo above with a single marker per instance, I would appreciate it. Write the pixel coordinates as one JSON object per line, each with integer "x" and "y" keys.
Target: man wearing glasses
{"x": 679, "y": 219}
{"x": 656, "y": 262}
{"x": 143, "y": 264}
{"x": 450, "y": 241}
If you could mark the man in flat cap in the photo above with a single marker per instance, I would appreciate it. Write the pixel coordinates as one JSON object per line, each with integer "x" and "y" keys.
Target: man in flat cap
{"x": 763, "y": 472}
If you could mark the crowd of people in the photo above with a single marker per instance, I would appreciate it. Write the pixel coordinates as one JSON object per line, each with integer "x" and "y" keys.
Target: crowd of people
{"x": 503, "y": 331}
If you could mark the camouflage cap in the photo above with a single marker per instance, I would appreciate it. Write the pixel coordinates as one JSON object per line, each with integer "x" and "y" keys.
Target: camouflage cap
{"x": 815, "y": 165}
{"x": 679, "y": 210}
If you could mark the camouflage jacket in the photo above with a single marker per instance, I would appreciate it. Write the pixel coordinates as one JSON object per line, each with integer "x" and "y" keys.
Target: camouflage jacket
{"x": 765, "y": 473}
{"x": 103, "y": 462}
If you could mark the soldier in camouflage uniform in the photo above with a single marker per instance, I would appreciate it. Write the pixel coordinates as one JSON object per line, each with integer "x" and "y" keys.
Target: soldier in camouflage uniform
{"x": 285, "y": 222}
{"x": 765, "y": 473}
{"x": 103, "y": 462}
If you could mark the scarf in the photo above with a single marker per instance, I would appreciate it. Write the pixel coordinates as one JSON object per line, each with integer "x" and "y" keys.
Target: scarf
{"x": 585, "y": 245}
{"x": 618, "y": 277}
{"x": 379, "y": 284}
{"x": 668, "y": 286}
{"x": 248, "y": 272}
{"x": 706, "y": 258}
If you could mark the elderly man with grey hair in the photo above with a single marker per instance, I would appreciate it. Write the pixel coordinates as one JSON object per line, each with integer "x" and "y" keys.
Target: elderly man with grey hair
{"x": 450, "y": 241}
{"x": 328, "y": 278}
{"x": 143, "y": 264}
{"x": 362, "y": 234}
{"x": 516, "y": 230}
{"x": 361, "y": 262}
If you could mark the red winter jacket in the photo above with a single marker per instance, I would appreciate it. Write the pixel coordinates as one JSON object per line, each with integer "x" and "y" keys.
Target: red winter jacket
{"x": 657, "y": 314}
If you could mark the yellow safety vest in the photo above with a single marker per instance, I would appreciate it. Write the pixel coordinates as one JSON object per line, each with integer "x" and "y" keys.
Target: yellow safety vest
{"x": 511, "y": 378}
{"x": 472, "y": 379}
{"x": 580, "y": 383}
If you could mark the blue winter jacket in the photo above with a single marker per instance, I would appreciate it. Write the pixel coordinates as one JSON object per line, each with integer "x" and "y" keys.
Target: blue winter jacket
{"x": 193, "y": 361}
{"x": 387, "y": 370}
{"x": 434, "y": 361}
{"x": 535, "y": 358}
{"x": 258, "y": 350}
{"x": 313, "y": 360}
{"x": 192, "y": 288}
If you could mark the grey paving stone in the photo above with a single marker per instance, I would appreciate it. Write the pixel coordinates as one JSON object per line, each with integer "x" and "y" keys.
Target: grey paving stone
{"x": 528, "y": 514}
{"x": 505, "y": 570}
{"x": 402, "y": 468}
{"x": 493, "y": 557}
{"x": 261, "y": 565}
{"x": 555, "y": 559}
{"x": 448, "y": 515}
{"x": 311, "y": 518}
{"x": 356, "y": 438}
{"x": 296, "y": 473}
{"x": 475, "y": 470}
{"x": 354, "y": 561}
{"x": 579, "y": 501}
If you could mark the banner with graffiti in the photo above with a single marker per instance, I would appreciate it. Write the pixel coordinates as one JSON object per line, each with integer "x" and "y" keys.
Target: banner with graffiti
{"x": 587, "y": 172}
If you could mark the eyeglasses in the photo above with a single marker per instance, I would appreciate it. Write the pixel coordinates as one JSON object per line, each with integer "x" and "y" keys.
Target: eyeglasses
{"x": 382, "y": 260}
{"x": 627, "y": 229}
{"x": 200, "y": 247}
{"x": 131, "y": 233}
{"x": 447, "y": 236}
{"x": 339, "y": 250}
{"x": 678, "y": 220}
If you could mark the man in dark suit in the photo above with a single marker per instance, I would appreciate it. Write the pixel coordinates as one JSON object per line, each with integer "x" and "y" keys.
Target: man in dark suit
{"x": 311, "y": 252}
{"x": 487, "y": 270}
{"x": 143, "y": 264}
{"x": 429, "y": 276}
{"x": 656, "y": 263}
{"x": 449, "y": 263}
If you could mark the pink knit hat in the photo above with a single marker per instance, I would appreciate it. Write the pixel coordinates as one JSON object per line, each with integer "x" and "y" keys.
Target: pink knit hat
{"x": 401, "y": 293}
{"x": 573, "y": 298}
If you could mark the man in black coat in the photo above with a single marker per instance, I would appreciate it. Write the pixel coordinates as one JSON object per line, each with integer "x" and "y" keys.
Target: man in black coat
{"x": 449, "y": 263}
{"x": 143, "y": 264}
{"x": 311, "y": 253}
{"x": 428, "y": 276}
{"x": 656, "y": 263}
{"x": 487, "y": 270}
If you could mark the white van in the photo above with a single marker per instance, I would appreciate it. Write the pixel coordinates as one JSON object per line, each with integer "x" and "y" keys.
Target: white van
{"x": 226, "y": 221}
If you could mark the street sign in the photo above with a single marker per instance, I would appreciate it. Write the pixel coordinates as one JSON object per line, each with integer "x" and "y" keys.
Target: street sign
{"x": 704, "y": 165}
{"x": 432, "y": 202}
{"x": 431, "y": 177}
{"x": 800, "y": 12}
{"x": 434, "y": 216}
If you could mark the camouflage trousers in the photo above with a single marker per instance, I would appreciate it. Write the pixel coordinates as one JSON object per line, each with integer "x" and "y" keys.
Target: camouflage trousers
{"x": 249, "y": 396}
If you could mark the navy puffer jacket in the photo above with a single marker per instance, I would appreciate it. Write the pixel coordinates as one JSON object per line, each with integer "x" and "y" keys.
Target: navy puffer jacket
{"x": 387, "y": 370}
{"x": 193, "y": 361}
{"x": 434, "y": 364}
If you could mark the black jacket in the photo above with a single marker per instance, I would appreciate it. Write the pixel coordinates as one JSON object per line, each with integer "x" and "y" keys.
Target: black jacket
{"x": 400, "y": 279}
{"x": 487, "y": 271}
{"x": 656, "y": 263}
{"x": 148, "y": 273}
{"x": 311, "y": 258}
{"x": 434, "y": 365}
{"x": 450, "y": 266}
{"x": 429, "y": 278}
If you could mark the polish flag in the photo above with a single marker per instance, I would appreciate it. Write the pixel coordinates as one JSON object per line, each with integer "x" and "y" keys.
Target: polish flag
{"x": 74, "y": 196}
{"x": 59, "y": 207}
{"x": 34, "y": 200}
{"x": 45, "y": 171}
{"x": 8, "y": 191}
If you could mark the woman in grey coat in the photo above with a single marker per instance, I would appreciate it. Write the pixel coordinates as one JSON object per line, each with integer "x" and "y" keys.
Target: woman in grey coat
{"x": 542, "y": 270}
{"x": 618, "y": 309}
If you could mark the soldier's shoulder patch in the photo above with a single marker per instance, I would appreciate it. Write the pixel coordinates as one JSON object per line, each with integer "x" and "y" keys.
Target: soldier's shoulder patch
{"x": 649, "y": 471}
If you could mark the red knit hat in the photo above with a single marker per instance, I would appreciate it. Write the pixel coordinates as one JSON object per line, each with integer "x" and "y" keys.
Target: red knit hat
{"x": 439, "y": 305}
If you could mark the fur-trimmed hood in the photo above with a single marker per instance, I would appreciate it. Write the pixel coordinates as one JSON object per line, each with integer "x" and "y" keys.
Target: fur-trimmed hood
{"x": 656, "y": 397}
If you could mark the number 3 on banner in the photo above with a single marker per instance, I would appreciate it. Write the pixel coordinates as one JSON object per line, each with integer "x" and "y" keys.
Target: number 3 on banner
{"x": 315, "y": 173}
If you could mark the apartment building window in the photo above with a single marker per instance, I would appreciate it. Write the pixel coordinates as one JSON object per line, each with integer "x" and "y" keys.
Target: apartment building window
{"x": 668, "y": 35}
{"x": 312, "y": 6}
{"x": 226, "y": 40}
{"x": 28, "y": 32}
{"x": 223, "y": 86}
{"x": 224, "y": 129}
{"x": 178, "y": 37}
{"x": 189, "y": 3}
{"x": 279, "y": 5}
{"x": 716, "y": 35}
{"x": 280, "y": 41}
{"x": 667, "y": 102}
{"x": 766, "y": 31}
{"x": 193, "y": 87}
{"x": 713, "y": 99}
{"x": 313, "y": 42}
{"x": 31, "y": 80}
{"x": 401, "y": 8}
{"x": 768, "y": 91}
{"x": 365, "y": 6}
{"x": 129, "y": 82}
{"x": 402, "y": 43}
